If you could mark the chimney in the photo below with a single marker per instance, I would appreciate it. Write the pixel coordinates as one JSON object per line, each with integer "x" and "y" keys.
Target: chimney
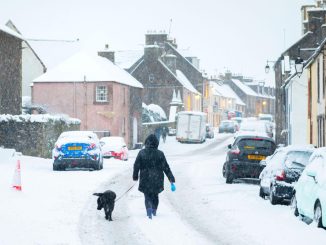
{"x": 107, "y": 53}
{"x": 154, "y": 37}
{"x": 170, "y": 60}
{"x": 151, "y": 53}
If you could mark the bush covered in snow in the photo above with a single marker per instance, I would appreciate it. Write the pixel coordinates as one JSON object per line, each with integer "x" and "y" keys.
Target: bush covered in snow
{"x": 34, "y": 135}
{"x": 152, "y": 113}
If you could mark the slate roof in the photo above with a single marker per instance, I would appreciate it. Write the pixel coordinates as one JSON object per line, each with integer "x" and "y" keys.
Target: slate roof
{"x": 91, "y": 67}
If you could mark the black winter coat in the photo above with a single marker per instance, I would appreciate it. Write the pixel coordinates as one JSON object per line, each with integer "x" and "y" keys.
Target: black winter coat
{"x": 152, "y": 164}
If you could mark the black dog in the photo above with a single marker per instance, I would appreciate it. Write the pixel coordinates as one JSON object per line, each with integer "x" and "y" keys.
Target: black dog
{"x": 106, "y": 200}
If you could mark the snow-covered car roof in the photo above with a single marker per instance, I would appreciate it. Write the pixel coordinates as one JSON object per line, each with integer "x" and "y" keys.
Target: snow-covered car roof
{"x": 77, "y": 136}
{"x": 113, "y": 140}
{"x": 307, "y": 147}
{"x": 250, "y": 134}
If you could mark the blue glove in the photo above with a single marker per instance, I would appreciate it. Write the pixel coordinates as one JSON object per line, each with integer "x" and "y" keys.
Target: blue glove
{"x": 173, "y": 188}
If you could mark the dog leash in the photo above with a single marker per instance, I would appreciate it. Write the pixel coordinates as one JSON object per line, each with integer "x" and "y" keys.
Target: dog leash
{"x": 125, "y": 193}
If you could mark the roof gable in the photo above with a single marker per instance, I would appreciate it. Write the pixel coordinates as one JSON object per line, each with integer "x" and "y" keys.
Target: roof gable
{"x": 244, "y": 88}
{"x": 90, "y": 67}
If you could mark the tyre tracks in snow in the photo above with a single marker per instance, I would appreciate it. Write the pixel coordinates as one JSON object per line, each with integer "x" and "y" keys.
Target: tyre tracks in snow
{"x": 189, "y": 202}
{"x": 95, "y": 229}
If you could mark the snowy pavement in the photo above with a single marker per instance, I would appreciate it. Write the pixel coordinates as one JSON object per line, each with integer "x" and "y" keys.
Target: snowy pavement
{"x": 59, "y": 208}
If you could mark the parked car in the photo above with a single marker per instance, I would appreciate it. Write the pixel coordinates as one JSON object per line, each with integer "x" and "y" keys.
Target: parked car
{"x": 209, "y": 131}
{"x": 255, "y": 127}
{"x": 114, "y": 146}
{"x": 309, "y": 199}
{"x": 237, "y": 119}
{"x": 266, "y": 117}
{"x": 282, "y": 171}
{"x": 228, "y": 126}
{"x": 244, "y": 156}
{"x": 77, "y": 149}
{"x": 172, "y": 131}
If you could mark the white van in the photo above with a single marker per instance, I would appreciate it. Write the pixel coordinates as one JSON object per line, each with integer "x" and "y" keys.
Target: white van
{"x": 191, "y": 127}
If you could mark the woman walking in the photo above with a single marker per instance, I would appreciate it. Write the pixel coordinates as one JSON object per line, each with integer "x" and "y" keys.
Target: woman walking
{"x": 152, "y": 164}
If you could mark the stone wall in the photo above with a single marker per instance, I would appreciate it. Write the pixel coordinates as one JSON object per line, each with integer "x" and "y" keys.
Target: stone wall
{"x": 33, "y": 135}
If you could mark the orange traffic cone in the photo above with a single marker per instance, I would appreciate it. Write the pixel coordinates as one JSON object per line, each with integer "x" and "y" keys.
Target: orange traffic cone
{"x": 17, "y": 178}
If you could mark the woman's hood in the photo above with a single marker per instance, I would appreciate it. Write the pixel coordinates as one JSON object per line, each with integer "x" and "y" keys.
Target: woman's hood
{"x": 151, "y": 141}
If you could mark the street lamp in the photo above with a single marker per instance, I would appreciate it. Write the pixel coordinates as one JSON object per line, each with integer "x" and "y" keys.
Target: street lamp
{"x": 267, "y": 67}
{"x": 298, "y": 66}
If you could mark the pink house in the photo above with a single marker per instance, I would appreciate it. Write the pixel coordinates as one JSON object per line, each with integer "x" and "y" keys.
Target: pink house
{"x": 96, "y": 91}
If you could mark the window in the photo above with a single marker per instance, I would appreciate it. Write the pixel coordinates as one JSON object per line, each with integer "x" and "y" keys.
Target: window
{"x": 101, "y": 94}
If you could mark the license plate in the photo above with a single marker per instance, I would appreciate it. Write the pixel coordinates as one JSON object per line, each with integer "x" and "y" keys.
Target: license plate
{"x": 74, "y": 148}
{"x": 256, "y": 157}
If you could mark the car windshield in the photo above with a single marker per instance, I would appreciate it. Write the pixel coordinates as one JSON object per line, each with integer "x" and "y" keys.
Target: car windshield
{"x": 226, "y": 123}
{"x": 253, "y": 126}
{"x": 297, "y": 159}
{"x": 255, "y": 144}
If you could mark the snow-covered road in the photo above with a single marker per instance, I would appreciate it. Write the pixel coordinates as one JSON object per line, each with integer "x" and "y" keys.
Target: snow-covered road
{"x": 58, "y": 207}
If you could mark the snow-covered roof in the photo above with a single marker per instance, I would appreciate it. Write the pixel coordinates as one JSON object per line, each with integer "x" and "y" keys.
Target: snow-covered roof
{"x": 186, "y": 52}
{"x": 156, "y": 109}
{"x": 126, "y": 58}
{"x": 244, "y": 88}
{"x": 10, "y": 32}
{"x": 185, "y": 82}
{"x": 225, "y": 90}
{"x": 90, "y": 67}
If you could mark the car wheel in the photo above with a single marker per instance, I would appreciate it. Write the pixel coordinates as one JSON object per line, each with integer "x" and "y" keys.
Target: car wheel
{"x": 294, "y": 206}
{"x": 101, "y": 165}
{"x": 55, "y": 167}
{"x": 125, "y": 158}
{"x": 262, "y": 193}
{"x": 97, "y": 165}
{"x": 229, "y": 178}
{"x": 224, "y": 170}
{"x": 272, "y": 197}
{"x": 318, "y": 216}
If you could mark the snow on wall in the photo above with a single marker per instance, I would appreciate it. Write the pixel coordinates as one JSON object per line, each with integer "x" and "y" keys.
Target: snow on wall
{"x": 38, "y": 118}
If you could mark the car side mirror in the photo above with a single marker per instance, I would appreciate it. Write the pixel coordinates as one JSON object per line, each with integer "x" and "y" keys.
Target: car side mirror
{"x": 124, "y": 146}
{"x": 229, "y": 146}
{"x": 311, "y": 173}
{"x": 263, "y": 163}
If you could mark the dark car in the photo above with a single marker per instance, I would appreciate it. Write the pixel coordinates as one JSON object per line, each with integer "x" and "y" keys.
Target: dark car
{"x": 228, "y": 126}
{"x": 244, "y": 156}
{"x": 282, "y": 171}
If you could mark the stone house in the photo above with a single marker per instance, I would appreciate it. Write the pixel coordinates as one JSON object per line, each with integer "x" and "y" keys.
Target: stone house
{"x": 10, "y": 71}
{"x": 313, "y": 33}
{"x": 316, "y": 91}
{"x": 91, "y": 88}
{"x": 32, "y": 65}
{"x": 222, "y": 101}
{"x": 162, "y": 69}
{"x": 257, "y": 98}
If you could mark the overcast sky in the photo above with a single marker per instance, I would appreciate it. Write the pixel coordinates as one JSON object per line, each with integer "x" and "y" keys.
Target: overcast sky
{"x": 237, "y": 35}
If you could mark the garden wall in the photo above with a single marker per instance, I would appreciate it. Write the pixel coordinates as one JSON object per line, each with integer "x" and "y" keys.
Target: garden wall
{"x": 34, "y": 135}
